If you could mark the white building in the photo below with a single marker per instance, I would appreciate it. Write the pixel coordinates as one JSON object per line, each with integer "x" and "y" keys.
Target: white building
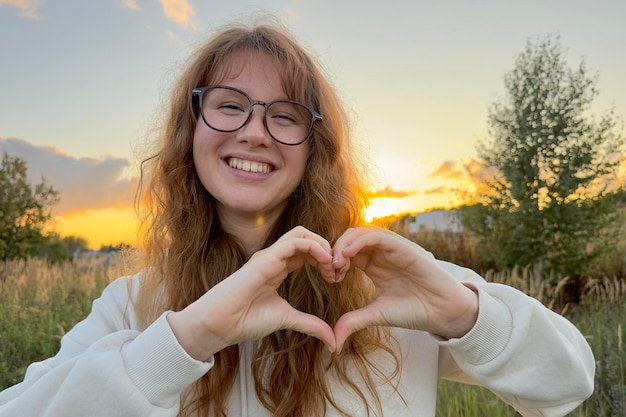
{"x": 439, "y": 220}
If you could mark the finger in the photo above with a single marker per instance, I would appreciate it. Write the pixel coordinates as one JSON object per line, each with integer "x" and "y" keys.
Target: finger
{"x": 383, "y": 245}
{"x": 363, "y": 238}
{"x": 295, "y": 251}
{"x": 351, "y": 322}
{"x": 303, "y": 232}
{"x": 340, "y": 273}
{"x": 305, "y": 250}
{"x": 313, "y": 326}
{"x": 354, "y": 240}
{"x": 345, "y": 240}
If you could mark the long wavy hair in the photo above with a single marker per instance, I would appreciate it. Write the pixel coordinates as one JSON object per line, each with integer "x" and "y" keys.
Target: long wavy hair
{"x": 187, "y": 251}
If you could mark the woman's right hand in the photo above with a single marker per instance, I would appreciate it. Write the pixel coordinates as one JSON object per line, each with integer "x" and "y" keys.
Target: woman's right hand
{"x": 246, "y": 305}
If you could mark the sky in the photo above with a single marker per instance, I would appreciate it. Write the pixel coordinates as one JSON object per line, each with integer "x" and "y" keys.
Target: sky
{"x": 82, "y": 81}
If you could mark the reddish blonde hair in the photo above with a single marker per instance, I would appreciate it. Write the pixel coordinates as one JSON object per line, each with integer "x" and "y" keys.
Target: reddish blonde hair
{"x": 188, "y": 252}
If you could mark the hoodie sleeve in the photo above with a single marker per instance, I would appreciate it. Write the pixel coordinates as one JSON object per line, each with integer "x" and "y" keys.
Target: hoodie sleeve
{"x": 106, "y": 367}
{"x": 532, "y": 358}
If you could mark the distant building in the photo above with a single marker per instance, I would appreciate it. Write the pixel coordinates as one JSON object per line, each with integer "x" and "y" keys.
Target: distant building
{"x": 439, "y": 220}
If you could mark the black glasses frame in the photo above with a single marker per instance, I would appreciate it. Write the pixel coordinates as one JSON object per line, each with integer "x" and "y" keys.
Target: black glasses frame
{"x": 196, "y": 101}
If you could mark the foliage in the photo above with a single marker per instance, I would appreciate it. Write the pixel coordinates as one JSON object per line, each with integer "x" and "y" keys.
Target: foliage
{"x": 25, "y": 214}
{"x": 460, "y": 248}
{"x": 120, "y": 247}
{"x": 398, "y": 223}
{"x": 24, "y": 211}
{"x": 59, "y": 248}
{"x": 548, "y": 194}
{"x": 74, "y": 244}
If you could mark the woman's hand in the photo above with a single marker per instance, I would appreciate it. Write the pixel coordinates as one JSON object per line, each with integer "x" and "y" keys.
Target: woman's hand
{"x": 246, "y": 306}
{"x": 412, "y": 290}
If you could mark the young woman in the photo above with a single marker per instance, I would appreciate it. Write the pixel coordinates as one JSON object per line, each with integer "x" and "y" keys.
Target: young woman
{"x": 264, "y": 295}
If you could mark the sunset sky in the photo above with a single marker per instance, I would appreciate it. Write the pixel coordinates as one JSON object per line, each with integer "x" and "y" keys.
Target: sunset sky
{"x": 81, "y": 81}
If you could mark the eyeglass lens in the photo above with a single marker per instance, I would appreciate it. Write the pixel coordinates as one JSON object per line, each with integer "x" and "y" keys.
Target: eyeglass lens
{"x": 228, "y": 110}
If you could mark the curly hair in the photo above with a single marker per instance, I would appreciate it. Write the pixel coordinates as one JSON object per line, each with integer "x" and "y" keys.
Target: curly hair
{"x": 188, "y": 252}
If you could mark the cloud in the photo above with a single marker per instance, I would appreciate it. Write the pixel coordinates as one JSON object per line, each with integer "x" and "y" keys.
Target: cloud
{"x": 83, "y": 183}
{"x": 293, "y": 15}
{"x": 388, "y": 192}
{"x": 28, "y": 7}
{"x": 447, "y": 170}
{"x": 438, "y": 190}
{"x": 180, "y": 12}
{"x": 474, "y": 166}
{"x": 129, "y": 4}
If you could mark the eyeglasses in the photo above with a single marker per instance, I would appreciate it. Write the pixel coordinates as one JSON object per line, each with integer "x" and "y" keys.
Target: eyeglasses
{"x": 227, "y": 109}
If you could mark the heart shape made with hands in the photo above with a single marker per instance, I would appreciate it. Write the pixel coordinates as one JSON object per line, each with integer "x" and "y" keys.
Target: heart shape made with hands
{"x": 387, "y": 308}
{"x": 412, "y": 290}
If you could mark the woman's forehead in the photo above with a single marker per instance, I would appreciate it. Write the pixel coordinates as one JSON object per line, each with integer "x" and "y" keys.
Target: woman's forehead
{"x": 233, "y": 65}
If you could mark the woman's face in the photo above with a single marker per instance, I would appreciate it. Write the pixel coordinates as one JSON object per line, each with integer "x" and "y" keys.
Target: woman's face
{"x": 249, "y": 174}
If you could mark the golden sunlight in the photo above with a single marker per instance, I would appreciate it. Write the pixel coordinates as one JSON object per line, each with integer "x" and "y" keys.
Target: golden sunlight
{"x": 379, "y": 207}
{"x": 101, "y": 227}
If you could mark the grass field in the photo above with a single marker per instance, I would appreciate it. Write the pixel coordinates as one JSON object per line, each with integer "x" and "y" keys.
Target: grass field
{"x": 40, "y": 302}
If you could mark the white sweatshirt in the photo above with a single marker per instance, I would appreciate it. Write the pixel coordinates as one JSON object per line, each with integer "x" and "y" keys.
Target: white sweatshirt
{"x": 534, "y": 359}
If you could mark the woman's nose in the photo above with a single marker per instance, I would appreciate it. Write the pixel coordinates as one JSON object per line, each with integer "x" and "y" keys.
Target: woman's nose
{"x": 254, "y": 131}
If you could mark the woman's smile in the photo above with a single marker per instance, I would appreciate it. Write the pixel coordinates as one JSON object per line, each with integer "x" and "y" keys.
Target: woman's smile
{"x": 249, "y": 166}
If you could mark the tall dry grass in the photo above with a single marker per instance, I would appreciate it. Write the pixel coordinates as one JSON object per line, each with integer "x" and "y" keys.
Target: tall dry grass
{"x": 39, "y": 302}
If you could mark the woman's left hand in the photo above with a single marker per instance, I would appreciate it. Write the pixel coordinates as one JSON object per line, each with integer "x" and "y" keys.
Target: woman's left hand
{"x": 412, "y": 290}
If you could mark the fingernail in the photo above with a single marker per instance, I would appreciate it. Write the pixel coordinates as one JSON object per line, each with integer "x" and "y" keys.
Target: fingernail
{"x": 335, "y": 259}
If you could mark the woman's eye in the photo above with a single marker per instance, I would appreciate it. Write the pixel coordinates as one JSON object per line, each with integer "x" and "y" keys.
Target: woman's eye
{"x": 285, "y": 118}
{"x": 231, "y": 107}
{"x": 285, "y": 113}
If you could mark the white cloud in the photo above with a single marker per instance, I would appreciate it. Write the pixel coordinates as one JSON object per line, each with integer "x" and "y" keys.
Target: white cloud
{"x": 28, "y": 7}
{"x": 129, "y": 4}
{"x": 83, "y": 183}
{"x": 180, "y": 12}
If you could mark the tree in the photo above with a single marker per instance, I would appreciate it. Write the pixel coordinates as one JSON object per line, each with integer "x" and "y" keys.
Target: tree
{"x": 59, "y": 248}
{"x": 120, "y": 247}
{"x": 24, "y": 211}
{"x": 548, "y": 191}
{"x": 75, "y": 244}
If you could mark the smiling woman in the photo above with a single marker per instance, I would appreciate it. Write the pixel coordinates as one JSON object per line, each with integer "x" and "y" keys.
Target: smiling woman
{"x": 262, "y": 292}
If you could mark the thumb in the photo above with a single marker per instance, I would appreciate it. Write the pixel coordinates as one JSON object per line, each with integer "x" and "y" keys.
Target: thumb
{"x": 350, "y": 323}
{"x": 313, "y": 326}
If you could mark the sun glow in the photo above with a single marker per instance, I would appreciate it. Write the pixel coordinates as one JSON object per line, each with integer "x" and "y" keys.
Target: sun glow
{"x": 379, "y": 207}
{"x": 101, "y": 227}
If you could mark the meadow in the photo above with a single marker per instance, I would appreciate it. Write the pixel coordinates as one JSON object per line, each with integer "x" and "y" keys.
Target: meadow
{"x": 39, "y": 302}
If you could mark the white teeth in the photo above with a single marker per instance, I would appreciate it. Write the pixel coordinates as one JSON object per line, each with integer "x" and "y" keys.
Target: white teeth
{"x": 249, "y": 166}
